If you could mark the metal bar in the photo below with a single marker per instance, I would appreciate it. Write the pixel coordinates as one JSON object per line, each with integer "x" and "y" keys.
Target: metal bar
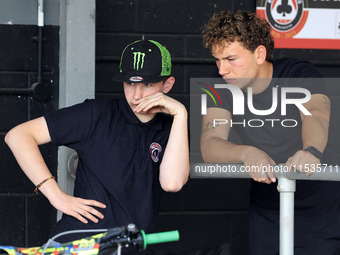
{"x": 17, "y": 92}
{"x": 286, "y": 188}
{"x": 40, "y": 13}
{"x": 322, "y": 173}
{"x": 207, "y": 170}
{"x": 40, "y": 26}
{"x": 39, "y": 65}
{"x": 39, "y": 91}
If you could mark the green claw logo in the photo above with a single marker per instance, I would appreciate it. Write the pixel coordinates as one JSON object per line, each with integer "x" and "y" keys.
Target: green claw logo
{"x": 138, "y": 60}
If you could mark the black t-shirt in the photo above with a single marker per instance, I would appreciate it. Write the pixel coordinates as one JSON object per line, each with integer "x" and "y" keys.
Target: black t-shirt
{"x": 280, "y": 135}
{"x": 119, "y": 159}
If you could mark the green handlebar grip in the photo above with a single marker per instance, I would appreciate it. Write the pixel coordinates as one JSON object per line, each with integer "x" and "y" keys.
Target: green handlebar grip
{"x": 162, "y": 237}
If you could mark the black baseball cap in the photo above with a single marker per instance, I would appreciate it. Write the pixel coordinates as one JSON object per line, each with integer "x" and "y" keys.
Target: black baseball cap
{"x": 144, "y": 61}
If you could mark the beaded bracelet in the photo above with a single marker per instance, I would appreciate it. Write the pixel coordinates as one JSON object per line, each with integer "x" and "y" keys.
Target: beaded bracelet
{"x": 40, "y": 184}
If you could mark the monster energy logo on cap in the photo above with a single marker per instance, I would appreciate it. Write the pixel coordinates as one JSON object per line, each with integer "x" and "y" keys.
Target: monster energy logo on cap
{"x": 144, "y": 61}
{"x": 138, "y": 58}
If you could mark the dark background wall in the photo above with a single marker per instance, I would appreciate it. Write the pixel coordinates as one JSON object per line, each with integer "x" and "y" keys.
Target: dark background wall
{"x": 210, "y": 214}
{"x": 26, "y": 219}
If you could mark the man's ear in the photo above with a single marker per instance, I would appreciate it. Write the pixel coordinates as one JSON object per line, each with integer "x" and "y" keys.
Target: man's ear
{"x": 168, "y": 84}
{"x": 261, "y": 54}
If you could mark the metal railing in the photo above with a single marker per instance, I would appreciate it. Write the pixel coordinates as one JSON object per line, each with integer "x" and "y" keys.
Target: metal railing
{"x": 286, "y": 187}
{"x": 38, "y": 91}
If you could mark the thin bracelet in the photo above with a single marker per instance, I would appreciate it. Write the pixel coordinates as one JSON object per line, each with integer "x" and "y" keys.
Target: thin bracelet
{"x": 40, "y": 184}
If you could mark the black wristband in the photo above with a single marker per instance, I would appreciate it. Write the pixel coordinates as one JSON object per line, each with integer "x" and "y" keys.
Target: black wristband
{"x": 314, "y": 151}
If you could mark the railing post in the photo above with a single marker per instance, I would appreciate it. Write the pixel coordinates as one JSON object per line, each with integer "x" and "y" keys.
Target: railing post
{"x": 286, "y": 187}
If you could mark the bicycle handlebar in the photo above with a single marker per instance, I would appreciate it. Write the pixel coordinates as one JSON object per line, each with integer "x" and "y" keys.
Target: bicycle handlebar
{"x": 162, "y": 237}
{"x": 103, "y": 243}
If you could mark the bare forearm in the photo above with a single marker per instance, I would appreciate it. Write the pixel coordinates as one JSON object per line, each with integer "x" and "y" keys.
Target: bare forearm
{"x": 216, "y": 150}
{"x": 23, "y": 141}
{"x": 315, "y": 126}
{"x": 175, "y": 166}
{"x": 315, "y": 132}
{"x": 26, "y": 151}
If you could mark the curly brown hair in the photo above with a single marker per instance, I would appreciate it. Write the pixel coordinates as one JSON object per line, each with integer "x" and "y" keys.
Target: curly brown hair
{"x": 242, "y": 26}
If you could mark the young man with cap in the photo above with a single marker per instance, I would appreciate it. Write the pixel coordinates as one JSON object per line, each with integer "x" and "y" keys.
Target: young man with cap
{"x": 128, "y": 150}
{"x": 242, "y": 46}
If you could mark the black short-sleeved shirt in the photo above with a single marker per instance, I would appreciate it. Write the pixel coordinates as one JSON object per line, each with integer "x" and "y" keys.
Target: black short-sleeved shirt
{"x": 280, "y": 142}
{"x": 119, "y": 159}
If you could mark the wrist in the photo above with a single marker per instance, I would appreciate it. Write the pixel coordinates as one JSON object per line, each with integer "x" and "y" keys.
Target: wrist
{"x": 314, "y": 151}
{"x": 51, "y": 189}
{"x": 181, "y": 112}
{"x": 245, "y": 151}
{"x": 36, "y": 190}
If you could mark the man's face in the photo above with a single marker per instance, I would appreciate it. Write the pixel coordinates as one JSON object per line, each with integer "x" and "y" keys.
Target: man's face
{"x": 235, "y": 63}
{"x": 134, "y": 91}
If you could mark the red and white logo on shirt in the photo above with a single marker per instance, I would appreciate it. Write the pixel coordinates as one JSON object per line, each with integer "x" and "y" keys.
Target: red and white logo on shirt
{"x": 155, "y": 150}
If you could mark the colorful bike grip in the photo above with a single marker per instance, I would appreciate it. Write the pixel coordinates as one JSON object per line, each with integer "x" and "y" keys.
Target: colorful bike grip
{"x": 162, "y": 237}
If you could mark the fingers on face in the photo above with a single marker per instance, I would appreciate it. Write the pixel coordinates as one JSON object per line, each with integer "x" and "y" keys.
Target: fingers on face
{"x": 157, "y": 100}
{"x": 147, "y": 103}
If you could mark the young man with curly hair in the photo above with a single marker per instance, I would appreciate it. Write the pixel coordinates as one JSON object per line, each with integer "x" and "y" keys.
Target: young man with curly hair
{"x": 243, "y": 47}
